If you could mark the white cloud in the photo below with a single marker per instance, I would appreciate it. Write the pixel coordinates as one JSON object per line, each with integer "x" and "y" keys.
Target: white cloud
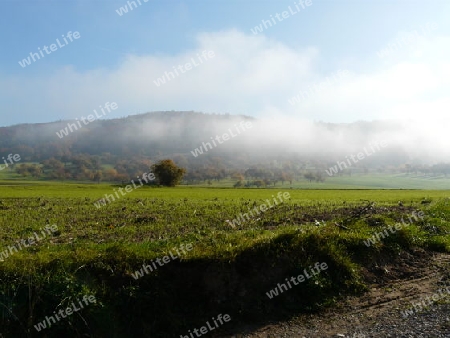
{"x": 252, "y": 75}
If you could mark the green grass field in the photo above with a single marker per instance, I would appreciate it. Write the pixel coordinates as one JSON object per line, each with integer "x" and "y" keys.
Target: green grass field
{"x": 356, "y": 181}
{"x": 96, "y": 251}
{"x": 359, "y": 181}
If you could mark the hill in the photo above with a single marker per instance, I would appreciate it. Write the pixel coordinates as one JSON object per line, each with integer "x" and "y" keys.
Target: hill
{"x": 214, "y": 147}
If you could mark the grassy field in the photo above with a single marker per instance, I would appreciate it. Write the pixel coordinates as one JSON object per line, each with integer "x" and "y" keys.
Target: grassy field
{"x": 355, "y": 181}
{"x": 229, "y": 269}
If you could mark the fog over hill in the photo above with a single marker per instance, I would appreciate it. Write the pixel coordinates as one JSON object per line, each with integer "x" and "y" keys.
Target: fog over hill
{"x": 163, "y": 134}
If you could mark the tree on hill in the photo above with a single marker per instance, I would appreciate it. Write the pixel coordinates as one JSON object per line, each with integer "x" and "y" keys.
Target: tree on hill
{"x": 33, "y": 170}
{"x": 168, "y": 173}
{"x": 98, "y": 175}
{"x": 309, "y": 176}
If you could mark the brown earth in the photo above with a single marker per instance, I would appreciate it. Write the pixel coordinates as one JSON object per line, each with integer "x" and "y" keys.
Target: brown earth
{"x": 393, "y": 286}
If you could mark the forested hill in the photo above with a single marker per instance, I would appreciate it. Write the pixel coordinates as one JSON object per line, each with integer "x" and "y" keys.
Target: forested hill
{"x": 150, "y": 134}
{"x": 160, "y": 133}
{"x": 301, "y": 146}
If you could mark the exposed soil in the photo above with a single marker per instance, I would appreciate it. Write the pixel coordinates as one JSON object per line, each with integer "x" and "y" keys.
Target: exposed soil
{"x": 347, "y": 215}
{"x": 378, "y": 313}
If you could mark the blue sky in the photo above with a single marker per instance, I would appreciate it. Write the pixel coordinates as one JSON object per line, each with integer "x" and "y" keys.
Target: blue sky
{"x": 118, "y": 58}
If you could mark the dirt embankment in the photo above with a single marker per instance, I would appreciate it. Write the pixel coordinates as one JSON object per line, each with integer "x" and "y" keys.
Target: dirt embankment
{"x": 394, "y": 288}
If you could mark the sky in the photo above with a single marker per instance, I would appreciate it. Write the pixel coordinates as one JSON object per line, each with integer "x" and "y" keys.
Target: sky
{"x": 318, "y": 60}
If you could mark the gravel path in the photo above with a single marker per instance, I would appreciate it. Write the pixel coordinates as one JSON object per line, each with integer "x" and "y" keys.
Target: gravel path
{"x": 380, "y": 312}
{"x": 434, "y": 323}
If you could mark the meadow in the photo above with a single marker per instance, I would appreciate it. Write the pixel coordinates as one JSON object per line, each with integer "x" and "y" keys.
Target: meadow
{"x": 230, "y": 267}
